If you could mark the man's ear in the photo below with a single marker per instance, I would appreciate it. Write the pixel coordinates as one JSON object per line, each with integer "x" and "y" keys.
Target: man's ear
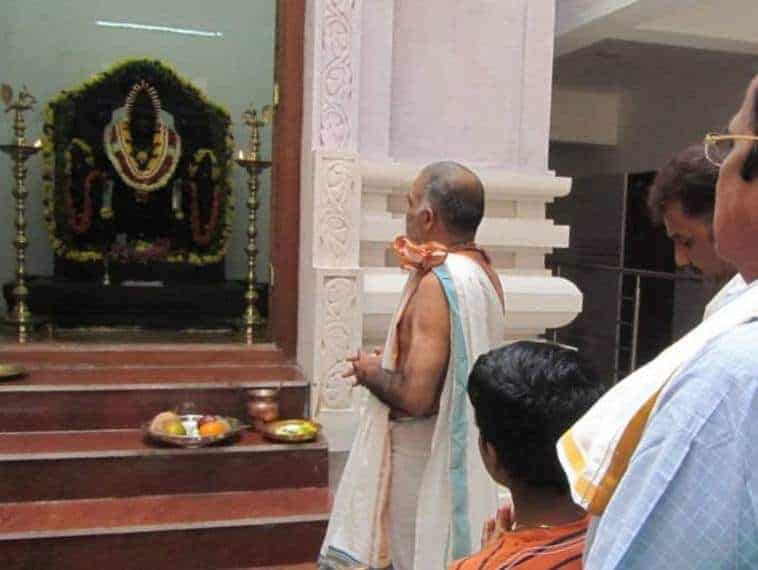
{"x": 490, "y": 451}
{"x": 749, "y": 169}
{"x": 427, "y": 218}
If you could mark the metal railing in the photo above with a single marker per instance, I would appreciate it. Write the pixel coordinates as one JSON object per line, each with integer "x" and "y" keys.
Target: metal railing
{"x": 622, "y": 272}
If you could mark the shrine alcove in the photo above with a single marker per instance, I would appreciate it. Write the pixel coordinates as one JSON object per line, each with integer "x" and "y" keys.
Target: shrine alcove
{"x": 136, "y": 182}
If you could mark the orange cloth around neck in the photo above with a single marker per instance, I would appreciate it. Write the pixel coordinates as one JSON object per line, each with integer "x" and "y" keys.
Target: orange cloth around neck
{"x": 423, "y": 258}
{"x": 426, "y": 256}
{"x": 532, "y": 549}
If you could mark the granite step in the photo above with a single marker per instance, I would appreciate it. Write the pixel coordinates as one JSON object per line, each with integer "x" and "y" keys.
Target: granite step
{"x": 86, "y": 397}
{"x": 306, "y": 566}
{"x": 77, "y": 374}
{"x": 192, "y": 531}
{"x": 62, "y": 465}
{"x": 143, "y": 354}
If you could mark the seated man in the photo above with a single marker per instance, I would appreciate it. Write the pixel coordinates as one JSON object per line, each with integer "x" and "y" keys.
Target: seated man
{"x": 525, "y": 395}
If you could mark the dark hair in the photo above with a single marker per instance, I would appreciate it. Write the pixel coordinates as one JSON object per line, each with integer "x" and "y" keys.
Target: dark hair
{"x": 688, "y": 178}
{"x": 456, "y": 194}
{"x": 525, "y": 396}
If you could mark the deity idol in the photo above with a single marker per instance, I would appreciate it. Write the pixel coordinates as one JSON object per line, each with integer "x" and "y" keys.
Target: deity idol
{"x": 143, "y": 150}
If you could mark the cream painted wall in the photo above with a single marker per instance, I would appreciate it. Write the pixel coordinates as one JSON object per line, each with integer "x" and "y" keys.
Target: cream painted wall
{"x": 584, "y": 116}
{"x": 51, "y": 46}
{"x": 664, "y": 106}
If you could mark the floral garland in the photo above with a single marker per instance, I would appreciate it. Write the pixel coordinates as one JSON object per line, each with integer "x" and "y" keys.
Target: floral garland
{"x": 161, "y": 161}
{"x": 142, "y": 252}
{"x": 57, "y": 109}
{"x": 79, "y": 222}
{"x": 202, "y": 233}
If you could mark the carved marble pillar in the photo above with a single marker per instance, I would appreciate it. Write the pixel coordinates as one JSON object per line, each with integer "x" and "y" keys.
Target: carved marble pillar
{"x": 330, "y": 294}
{"x": 480, "y": 95}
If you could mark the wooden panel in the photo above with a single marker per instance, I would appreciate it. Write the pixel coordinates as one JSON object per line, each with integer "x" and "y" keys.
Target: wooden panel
{"x": 285, "y": 201}
{"x": 594, "y": 210}
{"x": 593, "y": 331}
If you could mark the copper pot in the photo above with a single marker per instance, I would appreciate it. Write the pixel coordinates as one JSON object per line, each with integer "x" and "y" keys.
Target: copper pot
{"x": 263, "y": 404}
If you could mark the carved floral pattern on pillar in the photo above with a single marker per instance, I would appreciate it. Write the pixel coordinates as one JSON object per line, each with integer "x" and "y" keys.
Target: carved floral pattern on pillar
{"x": 335, "y": 212}
{"x": 340, "y": 306}
{"x": 336, "y": 73}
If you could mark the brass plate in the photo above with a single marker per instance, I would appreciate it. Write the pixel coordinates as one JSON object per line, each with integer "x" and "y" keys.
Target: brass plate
{"x": 192, "y": 439}
{"x": 11, "y": 370}
{"x": 292, "y": 431}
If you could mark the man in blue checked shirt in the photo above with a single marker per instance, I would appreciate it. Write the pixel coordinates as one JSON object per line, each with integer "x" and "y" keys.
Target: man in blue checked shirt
{"x": 689, "y": 495}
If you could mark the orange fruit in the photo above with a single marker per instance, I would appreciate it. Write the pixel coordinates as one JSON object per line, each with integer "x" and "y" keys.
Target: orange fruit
{"x": 209, "y": 429}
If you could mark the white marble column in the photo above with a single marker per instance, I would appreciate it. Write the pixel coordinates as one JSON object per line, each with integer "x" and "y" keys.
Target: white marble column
{"x": 389, "y": 87}
{"x": 330, "y": 297}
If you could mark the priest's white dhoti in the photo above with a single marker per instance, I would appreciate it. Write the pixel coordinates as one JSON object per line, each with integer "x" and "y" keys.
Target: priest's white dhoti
{"x": 410, "y": 448}
{"x": 455, "y": 494}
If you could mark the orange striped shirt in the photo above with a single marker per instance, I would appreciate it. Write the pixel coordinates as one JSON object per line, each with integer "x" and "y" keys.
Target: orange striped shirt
{"x": 532, "y": 549}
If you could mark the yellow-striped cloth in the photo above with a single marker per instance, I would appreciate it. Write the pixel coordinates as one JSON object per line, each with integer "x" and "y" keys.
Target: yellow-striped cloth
{"x": 596, "y": 451}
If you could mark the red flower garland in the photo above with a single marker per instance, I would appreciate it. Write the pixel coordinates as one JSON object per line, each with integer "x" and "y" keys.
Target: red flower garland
{"x": 80, "y": 222}
{"x": 202, "y": 233}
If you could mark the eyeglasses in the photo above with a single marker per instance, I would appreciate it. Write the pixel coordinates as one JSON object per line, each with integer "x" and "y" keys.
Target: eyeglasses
{"x": 718, "y": 146}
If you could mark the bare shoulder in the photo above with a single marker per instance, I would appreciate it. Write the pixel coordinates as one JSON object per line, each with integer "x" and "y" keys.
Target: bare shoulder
{"x": 430, "y": 293}
{"x": 428, "y": 306}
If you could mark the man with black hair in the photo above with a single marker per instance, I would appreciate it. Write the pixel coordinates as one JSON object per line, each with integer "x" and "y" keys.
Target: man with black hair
{"x": 415, "y": 492}
{"x": 525, "y": 395}
{"x": 667, "y": 459}
{"x": 683, "y": 197}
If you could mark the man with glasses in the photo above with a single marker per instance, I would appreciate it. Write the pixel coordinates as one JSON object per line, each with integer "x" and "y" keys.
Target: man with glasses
{"x": 667, "y": 459}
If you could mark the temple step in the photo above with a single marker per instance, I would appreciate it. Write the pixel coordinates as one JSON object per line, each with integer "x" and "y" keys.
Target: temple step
{"x": 120, "y": 463}
{"x": 114, "y": 375}
{"x": 156, "y": 354}
{"x": 83, "y": 488}
{"x": 306, "y": 566}
{"x": 272, "y": 528}
{"x": 54, "y": 398}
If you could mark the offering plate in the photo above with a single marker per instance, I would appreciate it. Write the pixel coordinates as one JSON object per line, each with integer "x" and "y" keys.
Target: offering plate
{"x": 291, "y": 431}
{"x": 11, "y": 371}
{"x": 193, "y": 438}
